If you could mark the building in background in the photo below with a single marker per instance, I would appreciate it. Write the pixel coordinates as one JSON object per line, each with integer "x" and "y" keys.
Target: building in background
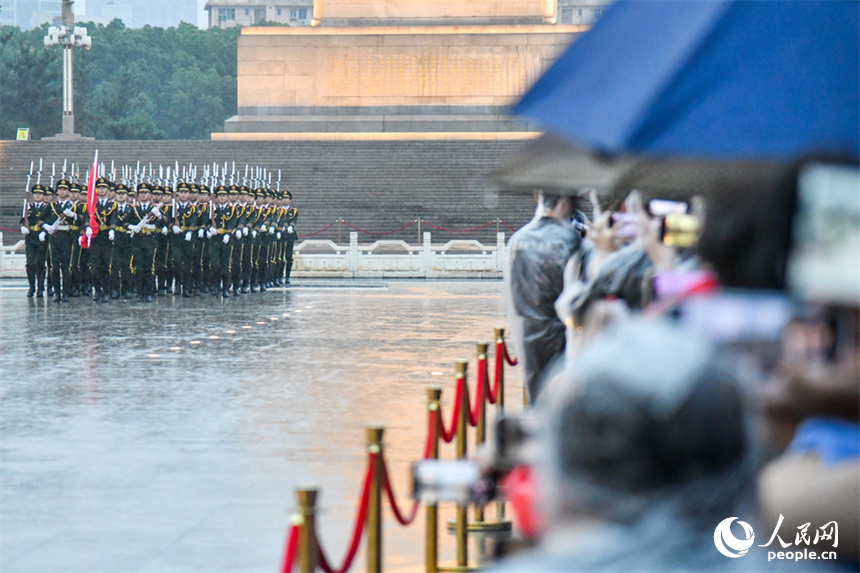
{"x": 581, "y": 12}
{"x": 227, "y": 13}
{"x": 28, "y": 14}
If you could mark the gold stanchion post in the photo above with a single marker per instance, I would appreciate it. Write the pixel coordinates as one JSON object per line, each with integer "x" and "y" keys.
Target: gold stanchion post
{"x": 481, "y": 430}
{"x": 462, "y": 423}
{"x": 431, "y": 545}
{"x": 307, "y": 536}
{"x": 500, "y": 402}
{"x": 374, "y": 510}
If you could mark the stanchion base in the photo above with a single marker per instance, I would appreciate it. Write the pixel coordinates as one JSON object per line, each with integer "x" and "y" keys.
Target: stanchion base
{"x": 457, "y": 568}
{"x": 481, "y": 526}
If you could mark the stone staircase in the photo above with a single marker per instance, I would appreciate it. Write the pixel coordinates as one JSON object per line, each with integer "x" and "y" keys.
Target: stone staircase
{"x": 375, "y": 185}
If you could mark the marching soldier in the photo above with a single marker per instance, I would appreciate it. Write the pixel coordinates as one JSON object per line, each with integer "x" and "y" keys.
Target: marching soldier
{"x": 200, "y": 248}
{"x": 101, "y": 246}
{"x": 144, "y": 223}
{"x": 220, "y": 237}
{"x": 35, "y": 241}
{"x": 122, "y": 250}
{"x": 183, "y": 232}
{"x": 57, "y": 223}
{"x": 291, "y": 235}
{"x": 80, "y": 210}
{"x": 161, "y": 197}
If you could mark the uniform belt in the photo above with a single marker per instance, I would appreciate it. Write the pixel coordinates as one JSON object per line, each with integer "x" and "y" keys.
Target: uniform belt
{"x": 74, "y": 228}
{"x": 63, "y": 228}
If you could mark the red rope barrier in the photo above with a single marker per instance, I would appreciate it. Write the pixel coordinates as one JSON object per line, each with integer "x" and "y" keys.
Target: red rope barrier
{"x": 508, "y": 226}
{"x": 431, "y": 434}
{"x": 5, "y": 230}
{"x": 508, "y": 359}
{"x": 392, "y": 501}
{"x": 318, "y": 232}
{"x": 457, "y": 230}
{"x": 292, "y": 549}
{"x": 351, "y": 226}
{"x": 449, "y": 435}
{"x": 358, "y": 530}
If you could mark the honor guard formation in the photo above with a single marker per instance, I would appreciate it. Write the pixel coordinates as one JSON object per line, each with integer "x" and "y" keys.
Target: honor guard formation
{"x": 157, "y": 232}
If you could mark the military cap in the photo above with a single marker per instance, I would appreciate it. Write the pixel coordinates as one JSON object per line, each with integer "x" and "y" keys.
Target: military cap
{"x": 244, "y": 190}
{"x": 144, "y": 188}
{"x": 221, "y": 190}
{"x": 182, "y": 187}
{"x": 193, "y": 188}
{"x": 234, "y": 190}
{"x": 76, "y": 188}
{"x": 102, "y": 182}
{"x": 38, "y": 188}
{"x": 49, "y": 191}
{"x": 288, "y": 195}
{"x": 121, "y": 188}
{"x": 111, "y": 184}
{"x": 157, "y": 190}
{"x": 202, "y": 189}
{"x": 63, "y": 184}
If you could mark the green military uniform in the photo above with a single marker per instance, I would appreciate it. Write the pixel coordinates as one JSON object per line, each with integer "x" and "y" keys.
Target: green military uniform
{"x": 162, "y": 241}
{"x": 221, "y": 256}
{"x": 291, "y": 237}
{"x": 77, "y": 262}
{"x": 122, "y": 248}
{"x": 101, "y": 247}
{"x": 185, "y": 219}
{"x": 145, "y": 222}
{"x": 57, "y": 222}
{"x": 200, "y": 246}
{"x": 35, "y": 243}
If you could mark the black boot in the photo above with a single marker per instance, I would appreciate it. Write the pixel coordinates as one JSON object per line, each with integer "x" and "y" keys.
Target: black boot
{"x": 31, "y": 278}
{"x": 40, "y": 283}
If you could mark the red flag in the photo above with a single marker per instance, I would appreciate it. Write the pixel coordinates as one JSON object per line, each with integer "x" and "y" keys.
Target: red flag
{"x": 91, "y": 202}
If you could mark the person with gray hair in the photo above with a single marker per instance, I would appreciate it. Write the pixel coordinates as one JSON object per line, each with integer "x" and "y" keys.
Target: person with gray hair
{"x": 645, "y": 448}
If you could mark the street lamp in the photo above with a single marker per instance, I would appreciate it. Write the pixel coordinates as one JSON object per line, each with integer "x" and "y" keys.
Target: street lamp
{"x": 67, "y": 35}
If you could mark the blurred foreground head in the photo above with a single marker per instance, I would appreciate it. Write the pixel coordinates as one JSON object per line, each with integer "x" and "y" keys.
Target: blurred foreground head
{"x": 650, "y": 418}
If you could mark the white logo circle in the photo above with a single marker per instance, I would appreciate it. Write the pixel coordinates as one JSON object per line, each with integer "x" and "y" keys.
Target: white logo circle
{"x": 728, "y": 544}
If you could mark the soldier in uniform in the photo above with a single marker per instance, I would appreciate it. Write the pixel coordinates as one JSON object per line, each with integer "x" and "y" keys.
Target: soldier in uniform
{"x": 122, "y": 250}
{"x": 101, "y": 247}
{"x": 161, "y": 197}
{"x": 35, "y": 242}
{"x": 144, "y": 223}
{"x": 236, "y": 238}
{"x": 200, "y": 263}
{"x": 80, "y": 209}
{"x": 183, "y": 233}
{"x": 220, "y": 237}
{"x": 291, "y": 235}
{"x": 57, "y": 223}
{"x": 260, "y": 240}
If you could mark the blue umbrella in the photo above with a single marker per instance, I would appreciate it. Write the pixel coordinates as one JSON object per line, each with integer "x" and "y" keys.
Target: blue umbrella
{"x": 715, "y": 79}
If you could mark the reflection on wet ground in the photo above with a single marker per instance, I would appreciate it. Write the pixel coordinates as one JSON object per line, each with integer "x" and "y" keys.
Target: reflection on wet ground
{"x": 171, "y": 436}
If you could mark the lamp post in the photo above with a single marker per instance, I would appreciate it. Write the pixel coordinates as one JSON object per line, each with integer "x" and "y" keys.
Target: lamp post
{"x": 64, "y": 33}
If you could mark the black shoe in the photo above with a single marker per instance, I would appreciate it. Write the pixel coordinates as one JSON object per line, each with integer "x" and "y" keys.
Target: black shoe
{"x": 40, "y": 294}
{"x": 245, "y": 290}
{"x": 162, "y": 292}
{"x": 57, "y": 298}
{"x": 148, "y": 298}
{"x": 96, "y": 296}
{"x": 204, "y": 290}
{"x": 226, "y": 293}
{"x": 186, "y": 294}
{"x": 140, "y": 298}
{"x": 255, "y": 288}
{"x": 114, "y": 294}
{"x": 31, "y": 293}
{"x": 105, "y": 297}
{"x": 286, "y": 281}
{"x": 126, "y": 295}
{"x": 75, "y": 292}
{"x": 262, "y": 288}
{"x": 65, "y": 297}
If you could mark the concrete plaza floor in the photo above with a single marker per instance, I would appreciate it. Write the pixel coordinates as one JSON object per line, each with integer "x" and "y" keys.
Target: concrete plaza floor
{"x": 170, "y": 436}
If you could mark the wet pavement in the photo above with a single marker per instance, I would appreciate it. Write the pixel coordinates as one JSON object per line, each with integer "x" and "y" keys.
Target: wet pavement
{"x": 170, "y": 436}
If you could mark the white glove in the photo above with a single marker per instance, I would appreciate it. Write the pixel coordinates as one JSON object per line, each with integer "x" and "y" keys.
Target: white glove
{"x": 111, "y": 235}
{"x": 50, "y": 229}
{"x": 164, "y": 230}
{"x": 156, "y": 212}
{"x": 89, "y": 232}
{"x": 200, "y": 233}
{"x": 25, "y": 230}
{"x": 278, "y": 234}
{"x": 254, "y": 234}
{"x": 212, "y": 232}
{"x": 133, "y": 228}
{"x": 263, "y": 228}
{"x": 226, "y": 239}
{"x": 70, "y": 213}
{"x": 81, "y": 241}
{"x": 271, "y": 230}
{"x": 209, "y": 234}
{"x": 245, "y": 231}
{"x": 290, "y": 229}
{"x": 177, "y": 230}
{"x": 188, "y": 236}
{"x": 238, "y": 233}
{"x": 42, "y": 236}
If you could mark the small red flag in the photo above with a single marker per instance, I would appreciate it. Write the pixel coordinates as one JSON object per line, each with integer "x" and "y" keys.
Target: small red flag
{"x": 91, "y": 202}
